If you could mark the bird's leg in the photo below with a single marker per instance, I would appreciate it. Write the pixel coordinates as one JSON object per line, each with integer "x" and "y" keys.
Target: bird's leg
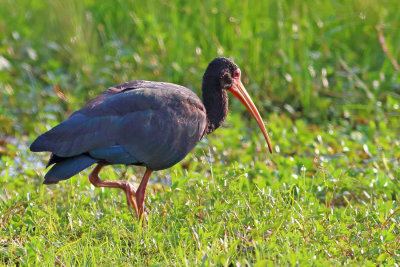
{"x": 122, "y": 184}
{"x": 141, "y": 191}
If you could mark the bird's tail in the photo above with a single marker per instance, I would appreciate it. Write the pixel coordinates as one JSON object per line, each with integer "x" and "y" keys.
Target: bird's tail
{"x": 67, "y": 167}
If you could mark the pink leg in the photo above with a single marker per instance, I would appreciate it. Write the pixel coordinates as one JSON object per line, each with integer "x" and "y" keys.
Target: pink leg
{"x": 141, "y": 191}
{"x": 122, "y": 184}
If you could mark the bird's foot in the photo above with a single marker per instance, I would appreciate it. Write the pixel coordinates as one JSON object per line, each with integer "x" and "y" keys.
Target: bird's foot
{"x": 135, "y": 202}
{"x": 135, "y": 198}
{"x": 131, "y": 198}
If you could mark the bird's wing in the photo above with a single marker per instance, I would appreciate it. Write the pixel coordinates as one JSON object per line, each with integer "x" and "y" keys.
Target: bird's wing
{"x": 148, "y": 118}
{"x": 114, "y": 155}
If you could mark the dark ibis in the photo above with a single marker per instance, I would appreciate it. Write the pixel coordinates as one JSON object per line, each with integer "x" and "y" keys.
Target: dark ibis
{"x": 144, "y": 123}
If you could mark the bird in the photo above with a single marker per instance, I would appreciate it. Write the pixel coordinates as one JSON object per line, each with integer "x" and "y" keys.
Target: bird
{"x": 143, "y": 123}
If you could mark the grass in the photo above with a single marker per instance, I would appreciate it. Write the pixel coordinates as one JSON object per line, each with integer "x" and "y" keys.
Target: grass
{"x": 324, "y": 77}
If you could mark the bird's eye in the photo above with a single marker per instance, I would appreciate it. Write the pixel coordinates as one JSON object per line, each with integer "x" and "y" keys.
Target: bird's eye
{"x": 236, "y": 73}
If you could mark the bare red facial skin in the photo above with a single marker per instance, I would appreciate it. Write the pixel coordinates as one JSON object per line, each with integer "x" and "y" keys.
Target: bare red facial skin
{"x": 240, "y": 92}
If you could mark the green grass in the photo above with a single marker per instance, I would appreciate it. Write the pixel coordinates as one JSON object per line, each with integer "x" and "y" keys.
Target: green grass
{"x": 321, "y": 78}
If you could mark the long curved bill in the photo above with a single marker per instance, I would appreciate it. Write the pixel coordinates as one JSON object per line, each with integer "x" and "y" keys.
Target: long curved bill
{"x": 240, "y": 92}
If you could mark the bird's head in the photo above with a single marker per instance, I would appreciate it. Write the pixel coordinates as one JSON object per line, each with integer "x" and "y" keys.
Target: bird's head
{"x": 221, "y": 70}
{"x": 227, "y": 76}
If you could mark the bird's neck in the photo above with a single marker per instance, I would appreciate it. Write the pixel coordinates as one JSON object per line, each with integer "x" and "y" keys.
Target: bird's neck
{"x": 215, "y": 101}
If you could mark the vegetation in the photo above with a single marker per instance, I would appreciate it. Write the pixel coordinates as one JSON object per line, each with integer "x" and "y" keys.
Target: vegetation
{"x": 324, "y": 75}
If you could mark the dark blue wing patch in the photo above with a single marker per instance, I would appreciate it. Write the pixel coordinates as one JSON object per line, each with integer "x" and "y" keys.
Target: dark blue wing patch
{"x": 114, "y": 155}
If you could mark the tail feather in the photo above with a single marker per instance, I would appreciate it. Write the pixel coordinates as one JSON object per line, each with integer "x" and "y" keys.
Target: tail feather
{"x": 67, "y": 168}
